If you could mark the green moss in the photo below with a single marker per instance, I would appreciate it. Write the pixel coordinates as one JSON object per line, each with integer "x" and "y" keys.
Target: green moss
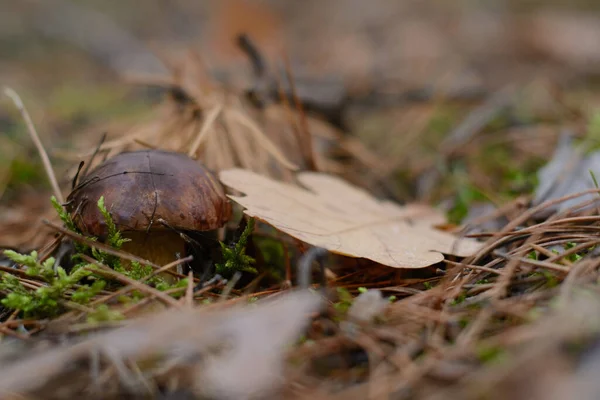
{"x": 271, "y": 250}
{"x": 551, "y": 279}
{"x": 497, "y": 172}
{"x": 459, "y": 299}
{"x": 445, "y": 118}
{"x": 63, "y": 215}
{"x": 510, "y": 178}
{"x": 61, "y": 286}
{"x": 24, "y": 171}
{"x": 103, "y": 314}
{"x": 490, "y": 354}
{"x": 75, "y": 102}
{"x": 234, "y": 256}
{"x": 466, "y": 195}
{"x": 47, "y": 300}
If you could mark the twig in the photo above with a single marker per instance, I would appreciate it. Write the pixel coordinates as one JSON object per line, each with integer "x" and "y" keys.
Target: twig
{"x": 14, "y": 96}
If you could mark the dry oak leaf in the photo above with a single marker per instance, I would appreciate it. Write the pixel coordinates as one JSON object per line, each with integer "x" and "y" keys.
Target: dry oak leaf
{"x": 344, "y": 219}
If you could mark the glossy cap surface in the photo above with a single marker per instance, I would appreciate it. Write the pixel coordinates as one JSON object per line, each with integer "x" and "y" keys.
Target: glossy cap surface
{"x": 142, "y": 187}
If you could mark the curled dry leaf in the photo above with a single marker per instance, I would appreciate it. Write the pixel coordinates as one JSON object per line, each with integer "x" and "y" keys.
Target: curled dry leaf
{"x": 344, "y": 219}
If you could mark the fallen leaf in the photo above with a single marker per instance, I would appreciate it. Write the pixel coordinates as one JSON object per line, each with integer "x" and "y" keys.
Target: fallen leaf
{"x": 344, "y": 219}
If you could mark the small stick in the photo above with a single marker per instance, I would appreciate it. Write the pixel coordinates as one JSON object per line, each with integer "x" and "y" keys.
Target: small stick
{"x": 14, "y": 96}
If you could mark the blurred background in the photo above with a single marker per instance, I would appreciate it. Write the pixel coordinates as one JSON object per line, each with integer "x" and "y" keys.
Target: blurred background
{"x": 413, "y": 81}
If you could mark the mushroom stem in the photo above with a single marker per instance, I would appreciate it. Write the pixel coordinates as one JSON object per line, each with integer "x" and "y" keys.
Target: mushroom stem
{"x": 158, "y": 247}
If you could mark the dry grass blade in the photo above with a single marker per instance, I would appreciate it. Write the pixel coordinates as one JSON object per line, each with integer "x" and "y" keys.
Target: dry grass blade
{"x": 205, "y": 129}
{"x": 261, "y": 138}
{"x": 14, "y": 96}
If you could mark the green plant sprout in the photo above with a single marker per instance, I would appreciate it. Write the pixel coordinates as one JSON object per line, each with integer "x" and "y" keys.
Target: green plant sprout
{"x": 594, "y": 179}
{"x": 234, "y": 257}
{"x": 115, "y": 239}
{"x": 63, "y": 215}
{"x": 345, "y": 300}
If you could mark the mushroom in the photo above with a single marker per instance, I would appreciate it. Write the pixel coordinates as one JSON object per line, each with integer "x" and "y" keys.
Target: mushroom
{"x": 151, "y": 195}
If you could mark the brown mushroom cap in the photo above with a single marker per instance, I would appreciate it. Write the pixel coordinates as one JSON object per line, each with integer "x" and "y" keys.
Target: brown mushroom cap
{"x": 141, "y": 187}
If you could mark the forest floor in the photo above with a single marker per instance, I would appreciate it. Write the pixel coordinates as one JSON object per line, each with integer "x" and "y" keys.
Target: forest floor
{"x": 419, "y": 127}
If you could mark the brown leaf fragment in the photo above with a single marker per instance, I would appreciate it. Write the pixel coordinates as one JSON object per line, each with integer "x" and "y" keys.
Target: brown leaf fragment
{"x": 347, "y": 220}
